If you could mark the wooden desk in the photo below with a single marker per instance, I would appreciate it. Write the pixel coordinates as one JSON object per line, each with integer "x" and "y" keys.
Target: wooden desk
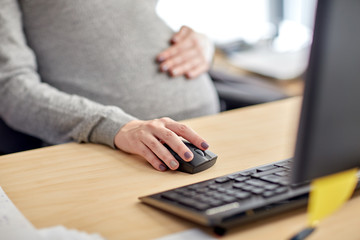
{"x": 95, "y": 189}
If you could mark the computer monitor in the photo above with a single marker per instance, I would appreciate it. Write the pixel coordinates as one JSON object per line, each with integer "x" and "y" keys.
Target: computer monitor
{"x": 328, "y": 139}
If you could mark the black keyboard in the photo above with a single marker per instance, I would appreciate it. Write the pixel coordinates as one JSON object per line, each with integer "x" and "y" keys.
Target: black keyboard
{"x": 235, "y": 198}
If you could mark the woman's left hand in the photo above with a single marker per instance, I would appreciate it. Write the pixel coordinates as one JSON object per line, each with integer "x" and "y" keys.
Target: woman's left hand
{"x": 190, "y": 54}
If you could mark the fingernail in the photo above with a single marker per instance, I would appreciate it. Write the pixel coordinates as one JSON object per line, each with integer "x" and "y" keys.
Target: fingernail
{"x": 174, "y": 39}
{"x": 174, "y": 72}
{"x": 187, "y": 155}
{"x": 173, "y": 164}
{"x": 164, "y": 68}
{"x": 162, "y": 167}
{"x": 160, "y": 59}
{"x": 204, "y": 145}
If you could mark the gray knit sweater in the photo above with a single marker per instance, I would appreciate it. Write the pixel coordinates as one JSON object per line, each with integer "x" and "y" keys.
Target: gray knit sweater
{"x": 73, "y": 70}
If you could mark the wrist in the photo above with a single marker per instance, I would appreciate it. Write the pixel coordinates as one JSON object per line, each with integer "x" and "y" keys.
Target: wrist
{"x": 120, "y": 135}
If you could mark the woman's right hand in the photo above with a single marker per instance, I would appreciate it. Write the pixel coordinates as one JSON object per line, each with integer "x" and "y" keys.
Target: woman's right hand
{"x": 146, "y": 138}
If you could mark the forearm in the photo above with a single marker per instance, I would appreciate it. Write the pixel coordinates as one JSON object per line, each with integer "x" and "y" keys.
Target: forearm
{"x": 41, "y": 110}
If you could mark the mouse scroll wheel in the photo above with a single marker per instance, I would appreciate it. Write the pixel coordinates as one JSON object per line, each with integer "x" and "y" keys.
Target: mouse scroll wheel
{"x": 200, "y": 152}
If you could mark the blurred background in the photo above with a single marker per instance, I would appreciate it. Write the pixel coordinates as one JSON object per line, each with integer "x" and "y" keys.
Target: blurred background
{"x": 262, "y": 46}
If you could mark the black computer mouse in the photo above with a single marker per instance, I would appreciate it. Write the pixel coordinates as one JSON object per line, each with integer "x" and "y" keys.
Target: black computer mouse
{"x": 202, "y": 159}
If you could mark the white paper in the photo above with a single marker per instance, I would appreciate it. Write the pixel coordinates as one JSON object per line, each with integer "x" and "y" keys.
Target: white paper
{"x": 62, "y": 233}
{"x": 14, "y": 226}
{"x": 187, "y": 235}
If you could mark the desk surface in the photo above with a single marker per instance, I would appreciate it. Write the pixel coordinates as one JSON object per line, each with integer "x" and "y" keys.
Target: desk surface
{"x": 95, "y": 189}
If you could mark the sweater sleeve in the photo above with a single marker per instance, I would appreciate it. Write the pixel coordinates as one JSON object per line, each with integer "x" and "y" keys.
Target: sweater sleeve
{"x": 31, "y": 106}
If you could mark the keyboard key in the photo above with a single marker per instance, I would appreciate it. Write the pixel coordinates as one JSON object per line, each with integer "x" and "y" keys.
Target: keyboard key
{"x": 268, "y": 194}
{"x": 171, "y": 196}
{"x": 189, "y": 194}
{"x": 281, "y": 190}
{"x": 228, "y": 199}
{"x": 222, "y": 180}
{"x": 248, "y": 173}
{"x": 199, "y": 185}
{"x": 287, "y": 166}
{"x": 241, "y": 179}
{"x": 214, "y": 187}
{"x": 247, "y": 187}
{"x": 181, "y": 190}
{"x": 238, "y": 184}
{"x": 275, "y": 179}
{"x": 221, "y": 190}
{"x": 257, "y": 190}
{"x": 201, "y": 190}
{"x": 242, "y": 195}
{"x": 256, "y": 182}
{"x": 233, "y": 176}
{"x": 215, "y": 202}
{"x": 201, "y": 198}
{"x": 283, "y": 163}
{"x": 200, "y": 206}
{"x": 230, "y": 192}
{"x": 211, "y": 194}
{"x": 187, "y": 201}
{"x": 268, "y": 172}
{"x": 270, "y": 186}
{"x": 265, "y": 168}
{"x": 285, "y": 181}
{"x": 282, "y": 173}
{"x": 218, "y": 195}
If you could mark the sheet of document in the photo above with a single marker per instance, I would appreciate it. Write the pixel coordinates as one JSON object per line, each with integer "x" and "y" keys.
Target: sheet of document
{"x": 62, "y": 233}
{"x": 14, "y": 226}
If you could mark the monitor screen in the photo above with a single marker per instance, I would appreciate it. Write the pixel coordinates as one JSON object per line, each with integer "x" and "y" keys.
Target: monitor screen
{"x": 328, "y": 138}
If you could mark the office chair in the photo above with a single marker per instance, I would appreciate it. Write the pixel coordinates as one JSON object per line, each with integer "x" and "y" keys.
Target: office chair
{"x": 12, "y": 141}
{"x": 239, "y": 91}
